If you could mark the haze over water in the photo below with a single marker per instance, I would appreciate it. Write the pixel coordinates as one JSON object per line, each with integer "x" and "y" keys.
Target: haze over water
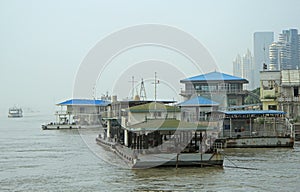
{"x": 43, "y": 44}
{"x": 65, "y": 160}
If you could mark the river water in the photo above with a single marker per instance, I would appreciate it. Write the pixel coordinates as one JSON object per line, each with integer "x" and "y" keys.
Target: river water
{"x": 32, "y": 159}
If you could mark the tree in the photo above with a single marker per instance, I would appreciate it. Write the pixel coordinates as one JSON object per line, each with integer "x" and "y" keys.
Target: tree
{"x": 253, "y": 97}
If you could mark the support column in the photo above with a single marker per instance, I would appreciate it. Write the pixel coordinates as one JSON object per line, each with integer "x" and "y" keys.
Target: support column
{"x": 230, "y": 126}
{"x": 141, "y": 141}
{"x": 126, "y": 138}
{"x": 108, "y": 129}
{"x": 195, "y": 140}
{"x": 134, "y": 141}
{"x": 250, "y": 127}
{"x": 146, "y": 142}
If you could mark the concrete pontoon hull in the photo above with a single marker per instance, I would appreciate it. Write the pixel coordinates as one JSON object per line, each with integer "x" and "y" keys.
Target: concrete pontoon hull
{"x": 259, "y": 142}
{"x": 66, "y": 126}
{"x": 143, "y": 161}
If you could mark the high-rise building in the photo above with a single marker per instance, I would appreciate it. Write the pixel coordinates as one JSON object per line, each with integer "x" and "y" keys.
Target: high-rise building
{"x": 237, "y": 66}
{"x": 243, "y": 67}
{"x": 261, "y": 43}
{"x": 291, "y": 38}
{"x": 278, "y": 54}
{"x": 285, "y": 53}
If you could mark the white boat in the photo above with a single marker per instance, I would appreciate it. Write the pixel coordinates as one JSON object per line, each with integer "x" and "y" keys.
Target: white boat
{"x": 15, "y": 112}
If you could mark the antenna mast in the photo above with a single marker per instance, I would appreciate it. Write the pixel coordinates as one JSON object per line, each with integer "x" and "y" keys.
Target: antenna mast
{"x": 143, "y": 95}
{"x": 264, "y": 62}
{"x": 155, "y": 86}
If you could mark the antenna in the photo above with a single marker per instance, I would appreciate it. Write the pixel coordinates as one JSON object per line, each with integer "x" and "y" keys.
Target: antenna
{"x": 155, "y": 92}
{"x": 264, "y": 62}
{"x": 143, "y": 95}
{"x": 155, "y": 86}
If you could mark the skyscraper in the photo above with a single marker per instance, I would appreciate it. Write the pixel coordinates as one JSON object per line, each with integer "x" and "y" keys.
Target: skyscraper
{"x": 243, "y": 67}
{"x": 261, "y": 43}
{"x": 285, "y": 53}
{"x": 279, "y": 56}
{"x": 291, "y": 39}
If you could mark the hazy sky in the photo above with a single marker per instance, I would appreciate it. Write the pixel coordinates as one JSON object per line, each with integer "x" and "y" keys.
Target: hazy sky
{"x": 42, "y": 43}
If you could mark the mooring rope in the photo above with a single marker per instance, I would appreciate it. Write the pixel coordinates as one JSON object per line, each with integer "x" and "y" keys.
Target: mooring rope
{"x": 235, "y": 166}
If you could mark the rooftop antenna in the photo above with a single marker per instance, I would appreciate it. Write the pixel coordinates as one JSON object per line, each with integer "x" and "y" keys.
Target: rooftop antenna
{"x": 264, "y": 62}
{"x": 155, "y": 92}
{"x": 132, "y": 91}
{"x": 155, "y": 86}
{"x": 143, "y": 95}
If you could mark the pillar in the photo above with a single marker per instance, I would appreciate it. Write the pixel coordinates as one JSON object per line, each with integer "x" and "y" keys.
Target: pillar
{"x": 126, "y": 138}
{"x": 108, "y": 129}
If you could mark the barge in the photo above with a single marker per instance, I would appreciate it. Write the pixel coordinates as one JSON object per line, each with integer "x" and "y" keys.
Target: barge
{"x": 160, "y": 141}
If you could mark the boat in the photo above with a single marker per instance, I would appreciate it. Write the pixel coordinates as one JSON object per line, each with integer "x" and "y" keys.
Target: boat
{"x": 15, "y": 112}
{"x": 78, "y": 113}
{"x": 160, "y": 139}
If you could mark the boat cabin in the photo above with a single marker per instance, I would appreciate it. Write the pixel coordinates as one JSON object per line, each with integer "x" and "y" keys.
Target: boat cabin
{"x": 81, "y": 111}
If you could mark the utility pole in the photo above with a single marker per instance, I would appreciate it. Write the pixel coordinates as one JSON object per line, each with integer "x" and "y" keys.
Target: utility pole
{"x": 155, "y": 92}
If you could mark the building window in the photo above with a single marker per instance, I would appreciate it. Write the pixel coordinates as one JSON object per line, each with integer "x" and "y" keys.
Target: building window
{"x": 157, "y": 114}
{"x": 204, "y": 88}
{"x": 235, "y": 87}
{"x": 296, "y": 92}
{"x": 202, "y": 116}
{"x": 272, "y": 107}
{"x": 232, "y": 102}
{"x": 81, "y": 109}
{"x": 271, "y": 84}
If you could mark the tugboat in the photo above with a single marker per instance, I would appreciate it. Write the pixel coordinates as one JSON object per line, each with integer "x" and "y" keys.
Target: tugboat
{"x": 15, "y": 112}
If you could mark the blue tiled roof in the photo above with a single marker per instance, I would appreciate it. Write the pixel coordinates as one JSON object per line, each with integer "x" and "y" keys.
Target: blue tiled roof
{"x": 215, "y": 76}
{"x": 85, "y": 102}
{"x": 198, "y": 101}
{"x": 254, "y": 112}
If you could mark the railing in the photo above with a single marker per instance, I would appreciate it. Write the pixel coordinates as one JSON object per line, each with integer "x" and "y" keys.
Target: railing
{"x": 288, "y": 99}
{"x": 230, "y": 91}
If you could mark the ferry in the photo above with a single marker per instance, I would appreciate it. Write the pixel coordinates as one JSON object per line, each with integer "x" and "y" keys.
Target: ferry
{"x": 15, "y": 112}
{"x": 160, "y": 139}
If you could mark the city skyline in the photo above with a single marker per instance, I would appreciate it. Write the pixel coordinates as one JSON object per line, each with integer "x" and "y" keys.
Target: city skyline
{"x": 43, "y": 43}
{"x": 285, "y": 52}
{"x": 274, "y": 54}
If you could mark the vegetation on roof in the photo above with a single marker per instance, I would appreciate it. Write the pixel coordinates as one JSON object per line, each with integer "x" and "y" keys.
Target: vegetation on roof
{"x": 153, "y": 107}
{"x": 167, "y": 124}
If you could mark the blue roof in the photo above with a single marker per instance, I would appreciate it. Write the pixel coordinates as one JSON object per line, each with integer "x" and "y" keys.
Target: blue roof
{"x": 198, "y": 101}
{"x": 255, "y": 112}
{"x": 85, "y": 102}
{"x": 215, "y": 76}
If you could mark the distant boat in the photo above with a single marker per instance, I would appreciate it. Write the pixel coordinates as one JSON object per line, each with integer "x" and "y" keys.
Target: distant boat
{"x": 15, "y": 112}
